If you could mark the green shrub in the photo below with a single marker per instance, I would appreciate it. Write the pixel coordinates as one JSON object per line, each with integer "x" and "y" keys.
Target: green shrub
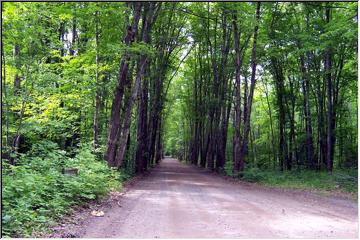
{"x": 229, "y": 166}
{"x": 35, "y": 193}
{"x": 252, "y": 175}
{"x": 341, "y": 180}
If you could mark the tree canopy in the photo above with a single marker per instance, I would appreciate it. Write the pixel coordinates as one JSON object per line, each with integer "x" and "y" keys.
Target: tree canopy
{"x": 231, "y": 87}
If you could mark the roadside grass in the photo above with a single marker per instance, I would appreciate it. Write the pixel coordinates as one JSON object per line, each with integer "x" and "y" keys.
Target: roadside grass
{"x": 343, "y": 181}
{"x": 35, "y": 194}
{"x": 340, "y": 181}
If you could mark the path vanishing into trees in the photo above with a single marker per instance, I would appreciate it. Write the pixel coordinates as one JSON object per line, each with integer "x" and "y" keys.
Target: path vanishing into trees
{"x": 177, "y": 200}
{"x": 97, "y": 93}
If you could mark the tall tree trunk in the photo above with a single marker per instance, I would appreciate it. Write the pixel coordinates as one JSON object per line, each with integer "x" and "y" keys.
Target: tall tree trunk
{"x": 320, "y": 125}
{"x": 5, "y": 99}
{"x": 141, "y": 156}
{"x": 120, "y": 153}
{"x": 251, "y": 93}
{"x": 237, "y": 107}
{"x": 17, "y": 136}
{"x": 271, "y": 126}
{"x": 223, "y": 107}
{"x": 292, "y": 148}
{"x": 280, "y": 97}
{"x": 74, "y": 36}
{"x": 97, "y": 93}
{"x": 330, "y": 113}
{"x": 158, "y": 149}
{"x": 308, "y": 127}
{"x": 214, "y": 97}
{"x": 148, "y": 19}
{"x": 114, "y": 123}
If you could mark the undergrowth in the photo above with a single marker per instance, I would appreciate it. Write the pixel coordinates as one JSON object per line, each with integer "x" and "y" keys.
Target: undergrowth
{"x": 36, "y": 194}
{"x": 340, "y": 180}
{"x": 343, "y": 181}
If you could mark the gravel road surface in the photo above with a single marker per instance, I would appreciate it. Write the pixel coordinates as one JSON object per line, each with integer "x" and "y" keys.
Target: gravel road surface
{"x": 180, "y": 201}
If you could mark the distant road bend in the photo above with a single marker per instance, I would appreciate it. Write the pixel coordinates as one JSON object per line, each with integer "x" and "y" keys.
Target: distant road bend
{"x": 179, "y": 201}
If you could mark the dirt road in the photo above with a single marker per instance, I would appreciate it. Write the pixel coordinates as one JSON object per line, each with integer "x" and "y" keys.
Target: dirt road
{"x": 181, "y": 201}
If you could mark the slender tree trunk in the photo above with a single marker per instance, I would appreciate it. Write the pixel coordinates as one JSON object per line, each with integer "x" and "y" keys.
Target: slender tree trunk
{"x": 271, "y": 126}
{"x": 280, "y": 93}
{"x": 120, "y": 153}
{"x": 237, "y": 107}
{"x": 222, "y": 108}
{"x": 74, "y": 37}
{"x": 62, "y": 39}
{"x": 17, "y": 136}
{"x": 97, "y": 94}
{"x": 292, "y": 148}
{"x": 17, "y": 78}
{"x": 251, "y": 93}
{"x": 158, "y": 149}
{"x": 245, "y": 97}
{"x": 308, "y": 127}
{"x": 252, "y": 140}
{"x": 155, "y": 113}
{"x": 320, "y": 125}
{"x": 194, "y": 147}
{"x": 330, "y": 114}
{"x": 214, "y": 96}
{"x": 5, "y": 99}
{"x": 142, "y": 132}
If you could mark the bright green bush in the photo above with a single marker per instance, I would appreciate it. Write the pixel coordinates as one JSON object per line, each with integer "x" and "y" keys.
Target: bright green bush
{"x": 35, "y": 192}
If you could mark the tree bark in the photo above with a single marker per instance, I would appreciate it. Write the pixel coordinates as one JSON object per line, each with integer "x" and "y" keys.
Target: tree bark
{"x": 17, "y": 78}
{"x": 97, "y": 93}
{"x": 237, "y": 105}
{"x": 148, "y": 19}
{"x": 251, "y": 93}
{"x": 273, "y": 145}
{"x": 141, "y": 156}
{"x": 330, "y": 113}
{"x": 308, "y": 127}
{"x": 280, "y": 98}
{"x": 5, "y": 99}
{"x": 223, "y": 108}
{"x": 114, "y": 123}
{"x": 292, "y": 148}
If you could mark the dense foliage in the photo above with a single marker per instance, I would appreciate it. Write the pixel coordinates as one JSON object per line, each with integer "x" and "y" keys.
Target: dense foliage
{"x": 36, "y": 192}
{"x": 245, "y": 89}
{"x": 304, "y": 104}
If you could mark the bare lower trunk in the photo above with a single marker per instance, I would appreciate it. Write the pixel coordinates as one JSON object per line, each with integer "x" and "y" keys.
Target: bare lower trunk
{"x": 127, "y": 118}
{"x": 158, "y": 149}
{"x": 141, "y": 156}
{"x": 308, "y": 127}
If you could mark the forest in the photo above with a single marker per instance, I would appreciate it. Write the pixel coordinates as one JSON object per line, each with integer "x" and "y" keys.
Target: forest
{"x": 94, "y": 93}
